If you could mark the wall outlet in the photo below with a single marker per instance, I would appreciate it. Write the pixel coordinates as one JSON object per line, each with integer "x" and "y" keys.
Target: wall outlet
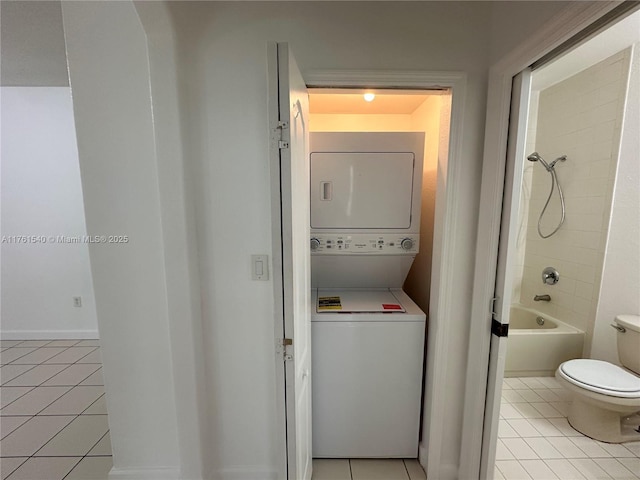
{"x": 77, "y": 301}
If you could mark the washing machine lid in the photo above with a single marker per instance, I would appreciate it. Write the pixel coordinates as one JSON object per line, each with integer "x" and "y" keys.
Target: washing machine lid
{"x": 358, "y": 301}
{"x": 601, "y": 377}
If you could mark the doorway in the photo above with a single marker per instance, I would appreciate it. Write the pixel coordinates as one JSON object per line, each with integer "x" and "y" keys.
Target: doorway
{"x": 442, "y": 303}
{"x": 578, "y": 103}
{"x": 391, "y": 110}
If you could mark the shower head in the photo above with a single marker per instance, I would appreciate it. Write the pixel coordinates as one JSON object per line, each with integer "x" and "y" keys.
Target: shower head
{"x": 534, "y": 157}
{"x": 563, "y": 158}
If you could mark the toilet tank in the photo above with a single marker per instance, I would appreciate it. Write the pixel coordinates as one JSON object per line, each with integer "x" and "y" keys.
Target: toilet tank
{"x": 629, "y": 341}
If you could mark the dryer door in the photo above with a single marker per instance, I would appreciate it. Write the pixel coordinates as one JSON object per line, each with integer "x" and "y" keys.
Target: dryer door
{"x": 361, "y": 190}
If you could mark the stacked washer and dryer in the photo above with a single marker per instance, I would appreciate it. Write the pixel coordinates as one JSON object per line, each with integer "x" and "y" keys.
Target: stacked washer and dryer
{"x": 367, "y": 334}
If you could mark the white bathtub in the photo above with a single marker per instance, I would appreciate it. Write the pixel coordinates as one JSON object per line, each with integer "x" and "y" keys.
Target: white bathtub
{"x": 537, "y": 350}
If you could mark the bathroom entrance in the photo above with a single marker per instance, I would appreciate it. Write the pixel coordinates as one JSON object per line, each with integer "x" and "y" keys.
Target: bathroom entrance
{"x": 566, "y": 266}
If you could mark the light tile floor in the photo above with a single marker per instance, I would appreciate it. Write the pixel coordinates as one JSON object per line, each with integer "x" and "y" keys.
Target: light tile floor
{"x": 53, "y": 426}
{"x": 535, "y": 441}
{"x": 53, "y": 418}
{"x": 361, "y": 469}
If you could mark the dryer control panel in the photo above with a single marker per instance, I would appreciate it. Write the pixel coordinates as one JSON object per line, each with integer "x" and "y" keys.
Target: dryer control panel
{"x": 365, "y": 243}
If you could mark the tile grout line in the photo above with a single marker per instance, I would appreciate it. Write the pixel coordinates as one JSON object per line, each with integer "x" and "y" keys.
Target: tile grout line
{"x": 12, "y": 471}
{"x": 47, "y": 406}
{"x": 4, "y": 384}
{"x": 34, "y": 453}
{"x": 35, "y": 349}
{"x": 76, "y": 416}
{"x": 18, "y": 358}
{"x": 38, "y": 414}
{"x": 404, "y": 464}
{"x": 69, "y": 366}
{"x": 41, "y": 384}
{"x": 12, "y": 401}
{"x": 48, "y": 386}
{"x": 70, "y": 363}
{"x": 87, "y": 454}
{"x": 562, "y": 401}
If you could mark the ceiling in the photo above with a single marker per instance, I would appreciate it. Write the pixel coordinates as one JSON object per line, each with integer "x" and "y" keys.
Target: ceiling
{"x": 614, "y": 39}
{"x": 351, "y": 101}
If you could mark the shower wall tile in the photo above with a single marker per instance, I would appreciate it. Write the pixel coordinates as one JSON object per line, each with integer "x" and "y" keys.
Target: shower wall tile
{"x": 584, "y": 290}
{"x": 580, "y": 117}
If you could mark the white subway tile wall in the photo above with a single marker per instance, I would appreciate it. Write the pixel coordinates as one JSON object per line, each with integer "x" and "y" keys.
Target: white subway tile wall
{"x": 580, "y": 117}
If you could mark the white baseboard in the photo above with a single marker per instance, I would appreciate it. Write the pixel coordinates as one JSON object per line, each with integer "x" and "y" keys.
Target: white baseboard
{"x": 443, "y": 471}
{"x": 162, "y": 473}
{"x": 49, "y": 334}
{"x": 423, "y": 455}
{"x": 247, "y": 473}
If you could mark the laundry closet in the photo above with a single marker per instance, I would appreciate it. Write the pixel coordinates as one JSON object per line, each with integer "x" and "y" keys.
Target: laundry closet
{"x": 374, "y": 164}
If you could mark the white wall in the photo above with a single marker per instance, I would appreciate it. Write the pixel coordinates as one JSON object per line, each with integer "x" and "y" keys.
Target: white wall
{"x": 110, "y": 79}
{"x": 620, "y": 286}
{"x": 223, "y": 53}
{"x": 513, "y": 22}
{"x": 579, "y": 117}
{"x": 222, "y": 79}
{"x": 42, "y": 196}
{"x": 427, "y": 117}
{"x": 350, "y": 122}
{"x": 32, "y": 44}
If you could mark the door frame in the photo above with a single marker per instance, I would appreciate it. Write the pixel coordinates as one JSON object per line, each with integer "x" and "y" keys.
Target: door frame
{"x": 442, "y": 297}
{"x": 569, "y": 23}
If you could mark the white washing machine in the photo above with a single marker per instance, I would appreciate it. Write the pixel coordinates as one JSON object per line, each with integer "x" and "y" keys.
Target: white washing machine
{"x": 367, "y": 334}
{"x": 367, "y": 373}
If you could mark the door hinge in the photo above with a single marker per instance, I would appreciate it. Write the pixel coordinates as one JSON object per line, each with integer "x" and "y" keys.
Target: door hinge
{"x": 282, "y": 125}
{"x": 282, "y": 348}
{"x": 492, "y": 308}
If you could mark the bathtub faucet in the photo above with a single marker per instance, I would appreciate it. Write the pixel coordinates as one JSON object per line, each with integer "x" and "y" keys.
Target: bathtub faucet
{"x": 543, "y": 298}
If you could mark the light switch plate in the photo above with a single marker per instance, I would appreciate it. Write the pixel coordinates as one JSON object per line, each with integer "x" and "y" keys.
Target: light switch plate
{"x": 260, "y": 267}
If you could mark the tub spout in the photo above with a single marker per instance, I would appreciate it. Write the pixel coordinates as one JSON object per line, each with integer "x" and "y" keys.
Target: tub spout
{"x": 542, "y": 298}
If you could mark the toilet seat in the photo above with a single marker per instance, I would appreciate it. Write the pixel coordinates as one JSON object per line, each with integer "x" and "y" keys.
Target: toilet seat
{"x": 601, "y": 377}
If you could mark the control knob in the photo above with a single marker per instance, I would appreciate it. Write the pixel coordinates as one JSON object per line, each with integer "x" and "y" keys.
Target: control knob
{"x": 407, "y": 244}
{"x": 315, "y": 244}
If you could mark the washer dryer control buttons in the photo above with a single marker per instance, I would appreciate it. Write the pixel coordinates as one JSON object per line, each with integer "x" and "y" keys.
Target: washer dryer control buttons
{"x": 407, "y": 244}
{"x": 362, "y": 243}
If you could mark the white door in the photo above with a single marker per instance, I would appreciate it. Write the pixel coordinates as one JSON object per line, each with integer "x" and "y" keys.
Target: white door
{"x": 504, "y": 276}
{"x": 293, "y": 121}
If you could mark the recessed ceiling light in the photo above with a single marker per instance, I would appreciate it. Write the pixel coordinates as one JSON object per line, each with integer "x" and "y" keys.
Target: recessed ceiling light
{"x": 369, "y": 96}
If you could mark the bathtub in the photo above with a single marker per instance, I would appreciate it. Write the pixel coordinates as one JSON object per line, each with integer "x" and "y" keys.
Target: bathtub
{"x": 538, "y": 343}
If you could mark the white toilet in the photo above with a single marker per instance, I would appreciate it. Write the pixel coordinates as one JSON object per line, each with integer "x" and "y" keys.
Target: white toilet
{"x": 605, "y": 398}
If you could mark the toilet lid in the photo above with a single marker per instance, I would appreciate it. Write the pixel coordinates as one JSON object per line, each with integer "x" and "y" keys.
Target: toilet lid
{"x": 601, "y": 377}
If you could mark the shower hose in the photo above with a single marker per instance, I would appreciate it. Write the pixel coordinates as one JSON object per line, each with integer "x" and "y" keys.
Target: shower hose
{"x": 554, "y": 182}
